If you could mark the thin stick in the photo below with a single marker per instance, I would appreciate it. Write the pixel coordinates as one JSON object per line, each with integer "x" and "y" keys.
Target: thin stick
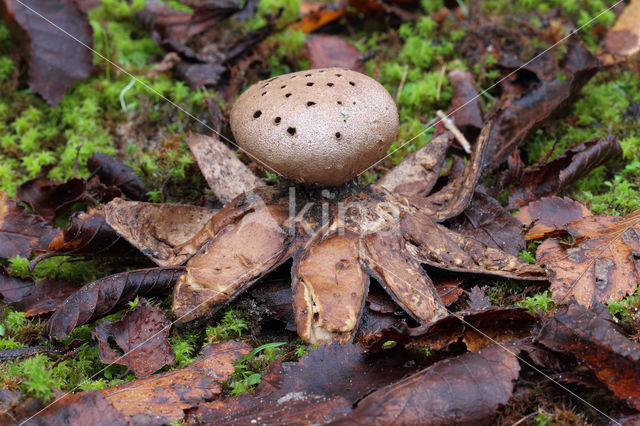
{"x": 450, "y": 126}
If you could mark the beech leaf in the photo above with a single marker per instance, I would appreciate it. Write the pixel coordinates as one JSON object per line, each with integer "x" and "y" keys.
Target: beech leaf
{"x": 601, "y": 264}
{"x": 141, "y": 335}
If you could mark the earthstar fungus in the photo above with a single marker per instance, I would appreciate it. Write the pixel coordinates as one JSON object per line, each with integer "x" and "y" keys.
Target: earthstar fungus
{"x": 339, "y": 238}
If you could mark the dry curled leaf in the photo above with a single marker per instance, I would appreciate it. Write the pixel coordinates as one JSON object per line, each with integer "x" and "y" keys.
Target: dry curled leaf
{"x": 601, "y": 264}
{"x": 549, "y": 179}
{"x": 21, "y": 233}
{"x": 553, "y": 87}
{"x": 107, "y": 295}
{"x": 159, "y": 231}
{"x": 465, "y": 104}
{"x": 597, "y": 343}
{"x": 51, "y": 198}
{"x": 167, "y": 395}
{"x": 88, "y": 234}
{"x": 112, "y": 171}
{"x": 56, "y": 61}
{"x": 141, "y": 335}
{"x": 33, "y": 298}
{"x": 547, "y": 216}
{"x": 463, "y": 390}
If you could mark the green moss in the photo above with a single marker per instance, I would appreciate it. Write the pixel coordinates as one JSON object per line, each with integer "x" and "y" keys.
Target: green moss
{"x": 627, "y": 308}
{"x": 540, "y": 302}
{"x": 232, "y": 326}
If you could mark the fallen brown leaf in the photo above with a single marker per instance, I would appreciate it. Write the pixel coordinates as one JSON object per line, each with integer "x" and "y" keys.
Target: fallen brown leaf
{"x": 33, "y": 298}
{"x": 56, "y": 61}
{"x": 549, "y": 179}
{"x": 322, "y": 385}
{"x": 112, "y": 171}
{"x": 601, "y": 264}
{"x": 487, "y": 221}
{"x": 598, "y": 344}
{"x": 623, "y": 39}
{"x": 51, "y": 198}
{"x": 326, "y": 51}
{"x": 463, "y": 390}
{"x": 141, "y": 335}
{"x": 316, "y": 15}
{"x": 518, "y": 116}
{"x": 108, "y": 295}
{"x": 465, "y": 104}
{"x": 476, "y": 328}
{"x": 549, "y": 215}
{"x": 167, "y": 395}
{"x": 75, "y": 409}
{"x": 21, "y": 233}
{"x": 88, "y": 234}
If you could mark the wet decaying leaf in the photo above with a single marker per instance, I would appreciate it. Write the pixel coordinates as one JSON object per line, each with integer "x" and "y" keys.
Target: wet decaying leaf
{"x": 112, "y": 171}
{"x": 89, "y": 234}
{"x": 463, "y": 390}
{"x": 141, "y": 335}
{"x": 33, "y": 298}
{"x": 108, "y": 295}
{"x": 226, "y": 175}
{"x": 597, "y": 343}
{"x": 21, "y": 233}
{"x": 167, "y": 395}
{"x": 91, "y": 407}
{"x": 418, "y": 172}
{"x": 451, "y": 391}
{"x": 478, "y": 300}
{"x": 322, "y": 386}
{"x": 601, "y": 264}
{"x": 158, "y": 230}
{"x": 56, "y": 61}
{"x": 465, "y": 104}
{"x": 326, "y": 51}
{"x": 487, "y": 221}
{"x": 476, "y": 328}
{"x": 623, "y": 39}
{"x": 551, "y": 178}
{"x": 518, "y": 116}
{"x": 547, "y": 216}
{"x": 51, "y": 198}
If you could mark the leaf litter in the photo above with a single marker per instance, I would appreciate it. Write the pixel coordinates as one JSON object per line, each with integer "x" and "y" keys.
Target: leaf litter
{"x": 445, "y": 222}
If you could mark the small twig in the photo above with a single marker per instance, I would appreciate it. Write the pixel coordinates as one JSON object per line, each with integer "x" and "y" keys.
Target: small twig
{"x": 9, "y": 354}
{"x": 450, "y": 126}
{"x": 525, "y": 418}
{"x": 402, "y": 80}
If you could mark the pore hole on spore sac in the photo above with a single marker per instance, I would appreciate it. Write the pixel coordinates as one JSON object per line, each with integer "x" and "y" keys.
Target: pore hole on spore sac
{"x": 310, "y": 103}
{"x": 291, "y": 131}
{"x": 277, "y": 120}
{"x": 287, "y": 95}
{"x": 338, "y": 135}
{"x": 310, "y": 84}
{"x": 257, "y": 114}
